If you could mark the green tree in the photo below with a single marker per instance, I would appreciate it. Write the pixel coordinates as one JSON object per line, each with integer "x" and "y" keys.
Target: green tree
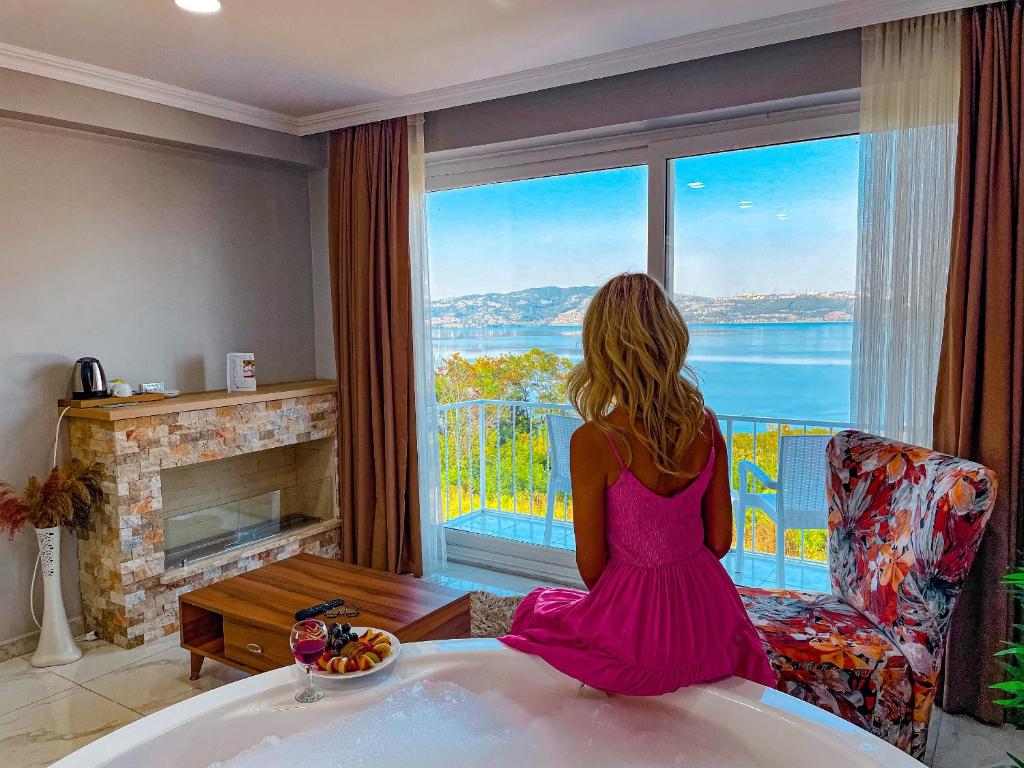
{"x": 535, "y": 375}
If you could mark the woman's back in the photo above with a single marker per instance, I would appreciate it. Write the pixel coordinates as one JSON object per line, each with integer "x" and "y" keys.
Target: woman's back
{"x": 658, "y": 521}
{"x": 642, "y": 465}
{"x": 621, "y": 494}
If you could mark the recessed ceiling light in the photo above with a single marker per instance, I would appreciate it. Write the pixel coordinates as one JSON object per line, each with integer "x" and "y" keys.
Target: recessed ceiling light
{"x": 696, "y": 185}
{"x": 783, "y": 216}
{"x": 198, "y": 6}
{"x": 746, "y": 203}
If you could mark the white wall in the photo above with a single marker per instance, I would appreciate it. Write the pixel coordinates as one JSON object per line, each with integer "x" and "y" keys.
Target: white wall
{"x": 323, "y": 313}
{"x": 801, "y": 68}
{"x": 155, "y": 259}
{"x": 41, "y": 99}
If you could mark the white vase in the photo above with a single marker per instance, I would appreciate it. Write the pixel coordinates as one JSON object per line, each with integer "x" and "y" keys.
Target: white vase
{"x": 56, "y": 643}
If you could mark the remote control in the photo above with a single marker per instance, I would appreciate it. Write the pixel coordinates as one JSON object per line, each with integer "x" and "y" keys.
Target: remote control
{"x": 309, "y": 613}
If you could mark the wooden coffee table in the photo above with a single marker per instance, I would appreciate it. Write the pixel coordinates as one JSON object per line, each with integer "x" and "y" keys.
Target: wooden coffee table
{"x": 244, "y": 621}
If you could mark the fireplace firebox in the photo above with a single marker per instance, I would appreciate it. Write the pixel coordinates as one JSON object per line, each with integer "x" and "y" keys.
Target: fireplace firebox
{"x": 230, "y": 503}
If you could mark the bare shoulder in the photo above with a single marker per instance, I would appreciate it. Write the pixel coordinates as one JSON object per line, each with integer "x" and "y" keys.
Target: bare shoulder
{"x": 711, "y": 427}
{"x": 587, "y": 434}
{"x": 589, "y": 442}
{"x": 588, "y": 439}
{"x": 590, "y": 457}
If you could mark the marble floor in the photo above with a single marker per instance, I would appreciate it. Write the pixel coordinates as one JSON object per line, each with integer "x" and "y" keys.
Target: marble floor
{"x": 46, "y": 714}
{"x": 956, "y": 741}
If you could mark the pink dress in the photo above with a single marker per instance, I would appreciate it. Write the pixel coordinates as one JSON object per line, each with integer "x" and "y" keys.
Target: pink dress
{"x": 664, "y": 613}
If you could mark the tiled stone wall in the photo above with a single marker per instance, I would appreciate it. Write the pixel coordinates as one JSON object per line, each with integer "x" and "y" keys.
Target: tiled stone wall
{"x": 125, "y": 592}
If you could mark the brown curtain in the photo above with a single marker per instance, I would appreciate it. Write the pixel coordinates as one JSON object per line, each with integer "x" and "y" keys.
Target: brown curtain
{"x": 979, "y": 403}
{"x": 371, "y": 290}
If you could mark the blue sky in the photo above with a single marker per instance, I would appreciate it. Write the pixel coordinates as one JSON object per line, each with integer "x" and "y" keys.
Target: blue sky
{"x": 772, "y": 219}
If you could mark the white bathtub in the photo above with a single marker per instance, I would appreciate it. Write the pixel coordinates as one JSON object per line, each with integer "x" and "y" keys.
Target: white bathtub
{"x": 730, "y": 723}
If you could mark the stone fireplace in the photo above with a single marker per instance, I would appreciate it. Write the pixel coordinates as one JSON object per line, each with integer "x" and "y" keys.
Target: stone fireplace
{"x": 200, "y": 488}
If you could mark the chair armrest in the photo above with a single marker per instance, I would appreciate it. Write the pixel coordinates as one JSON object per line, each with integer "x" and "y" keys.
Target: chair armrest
{"x": 748, "y": 468}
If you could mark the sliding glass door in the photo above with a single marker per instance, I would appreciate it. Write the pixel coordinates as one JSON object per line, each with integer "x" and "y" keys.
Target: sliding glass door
{"x": 763, "y": 263}
{"x": 512, "y": 268}
{"x": 753, "y": 233}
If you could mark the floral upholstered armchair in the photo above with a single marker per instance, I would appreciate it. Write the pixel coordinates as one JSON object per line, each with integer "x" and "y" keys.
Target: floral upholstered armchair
{"x": 904, "y": 526}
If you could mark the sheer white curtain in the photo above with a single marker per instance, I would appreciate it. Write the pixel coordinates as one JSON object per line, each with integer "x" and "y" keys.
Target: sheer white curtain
{"x": 910, "y": 83}
{"x": 434, "y": 556}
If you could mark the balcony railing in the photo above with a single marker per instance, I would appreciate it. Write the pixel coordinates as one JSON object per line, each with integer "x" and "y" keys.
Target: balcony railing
{"x": 495, "y": 467}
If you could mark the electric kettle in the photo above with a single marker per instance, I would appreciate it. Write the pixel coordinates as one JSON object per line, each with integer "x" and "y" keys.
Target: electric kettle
{"x": 88, "y": 379}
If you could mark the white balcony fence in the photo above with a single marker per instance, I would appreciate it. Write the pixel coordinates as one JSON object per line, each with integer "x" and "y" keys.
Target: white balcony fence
{"x": 495, "y": 467}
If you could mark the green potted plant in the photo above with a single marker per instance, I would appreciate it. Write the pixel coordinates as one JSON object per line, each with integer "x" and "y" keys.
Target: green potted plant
{"x": 1013, "y": 687}
{"x": 66, "y": 499}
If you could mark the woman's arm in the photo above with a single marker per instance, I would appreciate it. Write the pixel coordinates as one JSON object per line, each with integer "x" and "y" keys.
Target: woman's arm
{"x": 716, "y": 508}
{"x": 589, "y": 481}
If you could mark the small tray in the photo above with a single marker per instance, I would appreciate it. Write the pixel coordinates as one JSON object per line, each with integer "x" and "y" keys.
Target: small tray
{"x": 97, "y": 402}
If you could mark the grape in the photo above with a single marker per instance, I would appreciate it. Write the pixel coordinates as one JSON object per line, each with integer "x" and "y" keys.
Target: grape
{"x": 346, "y": 628}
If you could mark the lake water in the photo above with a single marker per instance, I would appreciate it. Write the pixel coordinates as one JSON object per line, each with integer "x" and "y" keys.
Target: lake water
{"x": 790, "y": 370}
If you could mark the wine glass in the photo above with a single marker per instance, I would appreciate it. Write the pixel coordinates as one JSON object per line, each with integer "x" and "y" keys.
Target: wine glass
{"x": 308, "y": 640}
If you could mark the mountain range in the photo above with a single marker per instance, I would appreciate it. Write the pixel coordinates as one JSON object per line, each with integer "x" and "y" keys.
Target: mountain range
{"x": 552, "y": 305}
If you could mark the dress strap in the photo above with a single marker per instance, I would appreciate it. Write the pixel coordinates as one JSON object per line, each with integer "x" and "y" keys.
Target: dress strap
{"x": 716, "y": 431}
{"x": 615, "y": 450}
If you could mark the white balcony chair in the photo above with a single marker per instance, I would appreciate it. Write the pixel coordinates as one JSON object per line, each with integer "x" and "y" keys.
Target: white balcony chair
{"x": 799, "y": 501}
{"x": 560, "y": 429}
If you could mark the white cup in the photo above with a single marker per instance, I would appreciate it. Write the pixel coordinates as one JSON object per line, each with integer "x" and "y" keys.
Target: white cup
{"x": 121, "y": 389}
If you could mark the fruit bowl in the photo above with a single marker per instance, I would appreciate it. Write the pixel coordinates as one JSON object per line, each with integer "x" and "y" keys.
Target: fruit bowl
{"x": 376, "y": 666}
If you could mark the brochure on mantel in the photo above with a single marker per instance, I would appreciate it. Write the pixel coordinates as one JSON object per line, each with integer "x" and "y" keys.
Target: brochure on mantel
{"x": 241, "y": 372}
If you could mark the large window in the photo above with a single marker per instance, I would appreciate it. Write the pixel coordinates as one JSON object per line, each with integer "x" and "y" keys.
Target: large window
{"x": 763, "y": 262}
{"x": 754, "y": 234}
{"x": 513, "y": 264}
{"x": 764, "y": 248}
{"x": 512, "y": 267}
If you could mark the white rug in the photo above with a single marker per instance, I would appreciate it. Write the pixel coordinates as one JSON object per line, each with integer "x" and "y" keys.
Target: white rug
{"x": 491, "y": 615}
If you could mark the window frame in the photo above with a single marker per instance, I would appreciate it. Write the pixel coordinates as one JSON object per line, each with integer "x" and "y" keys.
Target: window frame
{"x": 655, "y": 148}
{"x": 602, "y": 150}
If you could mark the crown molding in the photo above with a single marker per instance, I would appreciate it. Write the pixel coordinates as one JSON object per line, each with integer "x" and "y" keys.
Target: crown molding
{"x": 848, "y": 14}
{"x": 103, "y": 79}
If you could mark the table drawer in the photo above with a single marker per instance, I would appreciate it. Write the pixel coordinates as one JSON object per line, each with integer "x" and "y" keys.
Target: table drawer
{"x": 256, "y": 647}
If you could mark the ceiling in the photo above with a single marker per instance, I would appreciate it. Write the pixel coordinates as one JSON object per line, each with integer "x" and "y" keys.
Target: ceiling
{"x": 308, "y": 65}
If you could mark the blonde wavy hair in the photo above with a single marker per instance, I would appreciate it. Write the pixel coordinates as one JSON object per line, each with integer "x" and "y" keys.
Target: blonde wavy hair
{"x": 634, "y": 357}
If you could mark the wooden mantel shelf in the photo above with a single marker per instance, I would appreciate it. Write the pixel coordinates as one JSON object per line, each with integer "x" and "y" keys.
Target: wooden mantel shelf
{"x": 197, "y": 401}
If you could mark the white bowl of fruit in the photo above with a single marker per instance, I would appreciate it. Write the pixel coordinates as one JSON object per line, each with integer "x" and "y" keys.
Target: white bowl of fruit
{"x": 356, "y": 652}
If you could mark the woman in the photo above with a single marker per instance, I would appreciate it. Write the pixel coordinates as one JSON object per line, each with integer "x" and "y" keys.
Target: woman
{"x": 652, "y": 515}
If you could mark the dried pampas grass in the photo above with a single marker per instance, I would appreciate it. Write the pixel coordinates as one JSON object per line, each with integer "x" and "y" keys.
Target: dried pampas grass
{"x": 13, "y": 512}
{"x": 66, "y": 498}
